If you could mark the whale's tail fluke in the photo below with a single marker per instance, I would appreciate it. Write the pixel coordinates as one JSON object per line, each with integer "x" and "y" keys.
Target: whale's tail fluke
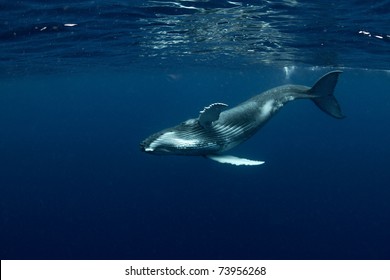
{"x": 323, "y": 92}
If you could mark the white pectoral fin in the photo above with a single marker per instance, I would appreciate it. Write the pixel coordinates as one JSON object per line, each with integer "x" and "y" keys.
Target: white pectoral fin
{"x": 234, "y": 160}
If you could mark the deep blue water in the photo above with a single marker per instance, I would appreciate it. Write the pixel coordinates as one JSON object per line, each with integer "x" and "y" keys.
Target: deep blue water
{"x": 75, "y": 102}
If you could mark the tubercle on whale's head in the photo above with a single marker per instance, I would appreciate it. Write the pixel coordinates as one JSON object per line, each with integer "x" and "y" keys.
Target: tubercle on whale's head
{"x": 187, "y": 138}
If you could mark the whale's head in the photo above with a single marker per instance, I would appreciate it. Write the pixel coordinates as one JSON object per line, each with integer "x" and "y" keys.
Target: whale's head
{"x": 187, "y": 138}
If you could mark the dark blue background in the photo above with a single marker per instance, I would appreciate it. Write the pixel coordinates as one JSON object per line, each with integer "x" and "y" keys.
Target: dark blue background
{"x": 74, "y": 185}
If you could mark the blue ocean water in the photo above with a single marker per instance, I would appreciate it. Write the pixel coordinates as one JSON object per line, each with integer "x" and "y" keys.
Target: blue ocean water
{"x": 83, "y": 82}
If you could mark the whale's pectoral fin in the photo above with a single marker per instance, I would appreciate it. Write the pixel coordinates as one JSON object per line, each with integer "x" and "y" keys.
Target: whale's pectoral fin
{"x": 211, "y": 113}
{"x": 234, "y": 160}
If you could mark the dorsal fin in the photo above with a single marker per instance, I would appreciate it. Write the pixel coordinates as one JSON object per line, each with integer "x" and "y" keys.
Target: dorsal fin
{"x": 211, "y": 113}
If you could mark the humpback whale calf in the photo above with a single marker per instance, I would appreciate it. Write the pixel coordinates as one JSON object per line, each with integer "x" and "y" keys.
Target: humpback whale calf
{"x": 217, "y": 130}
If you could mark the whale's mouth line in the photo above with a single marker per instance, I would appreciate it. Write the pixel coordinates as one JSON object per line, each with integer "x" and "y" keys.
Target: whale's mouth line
{"x": 150, "y": 150}
{"x": 144, "y": 148}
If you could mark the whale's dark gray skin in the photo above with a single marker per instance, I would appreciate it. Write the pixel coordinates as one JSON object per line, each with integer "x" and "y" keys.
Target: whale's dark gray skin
{"x": 216, "y": 131}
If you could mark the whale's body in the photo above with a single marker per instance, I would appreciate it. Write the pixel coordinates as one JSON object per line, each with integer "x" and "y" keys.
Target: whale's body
{"x": 216, "y": 131}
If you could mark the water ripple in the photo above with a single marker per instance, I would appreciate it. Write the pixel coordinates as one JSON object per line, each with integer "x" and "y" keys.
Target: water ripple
{"x": 38, "y": 36}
